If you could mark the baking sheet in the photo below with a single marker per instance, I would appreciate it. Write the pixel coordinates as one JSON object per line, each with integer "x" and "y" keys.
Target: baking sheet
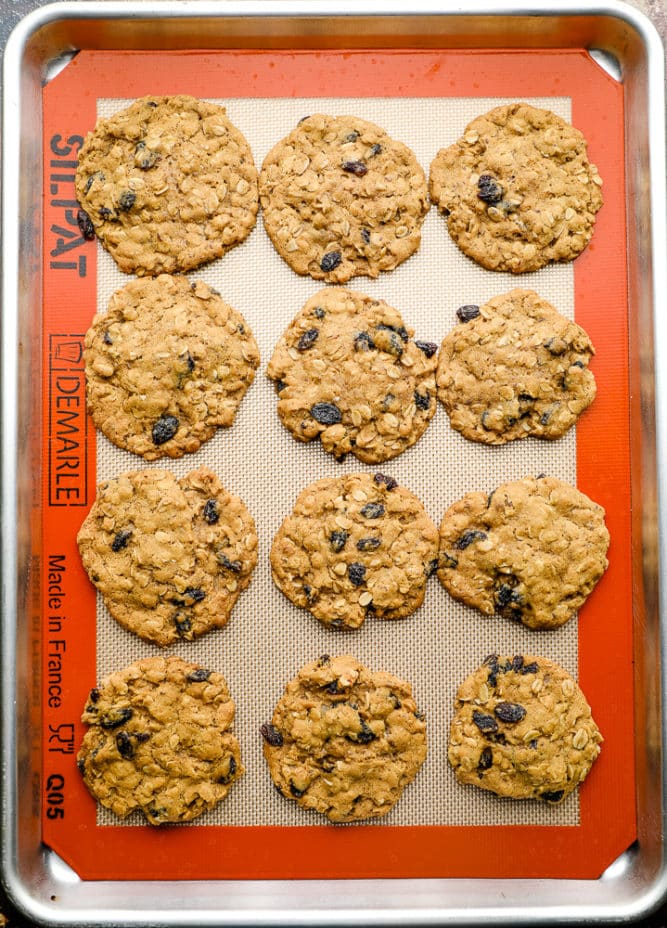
{"x": 268, "y": 639}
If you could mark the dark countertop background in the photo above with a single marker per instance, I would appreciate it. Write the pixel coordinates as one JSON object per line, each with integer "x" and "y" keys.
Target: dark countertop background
{"x": 11, "y": 12}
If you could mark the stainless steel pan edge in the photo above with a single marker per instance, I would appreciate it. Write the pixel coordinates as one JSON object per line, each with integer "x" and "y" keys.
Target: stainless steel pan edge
{"x": 38, "y": 882}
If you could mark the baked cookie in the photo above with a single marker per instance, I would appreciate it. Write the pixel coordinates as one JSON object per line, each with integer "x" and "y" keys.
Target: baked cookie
{"x": 347, "y": 371}
{"x": 522, "y": 728}
{"x": 532, "y": 550}
{"x": 344, "y": 741}
{"x": 517, "y": 189}
{"x": 514, "y": 367}
{"x": 167, "y": 184}
{"x": 170, "y": 557}
{"x": 167, "y": 364}
{"x": 160, "y": 740}
{"x": 340, "y": 198}
{"x": 353, "y": 546}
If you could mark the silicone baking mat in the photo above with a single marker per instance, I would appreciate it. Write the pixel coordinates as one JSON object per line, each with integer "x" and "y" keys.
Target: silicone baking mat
{"x": 439, "y": 828}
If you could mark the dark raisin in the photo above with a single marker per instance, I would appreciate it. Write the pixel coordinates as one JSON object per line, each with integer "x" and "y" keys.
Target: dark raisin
{"x": 510, "y": 712}
{"x": 530, "y": 668}
{"x": 579, "y": 364}
{"x": 107, "y": 339}
{"x": 200, "y": 675}
{"x": 338, "y": 540}
{"x": 526, "y": 398}
{"x": 324, "y": 660}
{"x": 553, "y": 796}
{"x": 449, "y": 561}
{"x": 271, "y": 735}
{"x": 98, "y": 175}
{"x": 429, "y": 348}
{"x": 508, "y": 601}
{"x": 105, "y": 213}
{"x": 295, "y": 791}
{"x": 230, "y": 772}
{"x": 373, "y": 510}
{"x": 280, "y": 386}
{"x": 326, "y": 413}
{"x": 375, "y": 150}
{"x": 517, "y": 662}
{"x": 210, "y": 511}
{"x": 365, "y": 734}
{"x": 86, "y": 227}
{"x": 388, "y": 339}
{"x": 431, "y": 567}
{"x": 114, "y": 718}
{"x": 366, "y": 235}
{"x": 195, "y": 593}
{"x": 368, "y": 544}
{"x": 484, "y": 722}
{"x": 224, "y": 561}
{"x": 121, "y": 539}
{"x": 488, "y": 189}
{"x": 307, "y": 340}
{"x": 144, "y": 157}
{"x": 332, "y": 688}
{"x": 124, "y": 745}
{"x": 164, "y": 429}
{"x": 80, "y": 764}
{"x": 468, "y": 538}
{"x": 358, "y": 168}
{"x": 94, "y": 695}
{"x": 183, "y": 625}
{"x": 330, "y": 261}
{"x": 352, "y": 136}
{"x": 126, "y": 200}
{"x": 467, "y": 313}
{"x": 485, "y": 759}
{"x": 189, "y": 362}
{"x": 363, "y": 342}
{"x": 546, "y": 415}
{"x": 389, "y": 482}
{"x": 357, "y": 573}
{"x": 388, "y": 402}
{"x": 422, "y": 400}
{"x": 319, "y": 313}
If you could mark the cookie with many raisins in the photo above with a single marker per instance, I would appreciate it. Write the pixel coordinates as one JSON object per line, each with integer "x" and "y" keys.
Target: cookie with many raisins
{"x": 517, "y": 189}
{"x": 340, "y": 198}
{"x": 348, "y": 371}
{"x": 167, "y": 184}
{"x": 169, "y": 557}
{"x": 533, "y": 550}
{"x": 345, "y": 741}
{"x": 522, "y": 729}
{"x": 166, "y": 365}
{"x": 514, "y": 367}
{"x": 160, "y": 740}
{"x": 355, "y": 546}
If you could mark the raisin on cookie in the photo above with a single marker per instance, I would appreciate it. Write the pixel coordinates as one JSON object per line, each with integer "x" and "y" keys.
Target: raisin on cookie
{"x": 340, "y": 198}
{"x": 348, "y": 371}
{"x": 167, "y": 184}
{"x": 167, "y": 364}
{"x": 522, "y": 729}
{"x": 169, "y": 557}
{"x": 345, "y": 741}
{"x": 514, "y": 367}
{"x": 354, "y": 546}
{"x": 533, "y": 550}
{"x": 160, "y": 740}
{"x": 517, "y": 189}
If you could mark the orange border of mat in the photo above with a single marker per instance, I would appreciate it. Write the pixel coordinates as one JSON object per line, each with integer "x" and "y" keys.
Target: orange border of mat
{"x": 608, "y": 824}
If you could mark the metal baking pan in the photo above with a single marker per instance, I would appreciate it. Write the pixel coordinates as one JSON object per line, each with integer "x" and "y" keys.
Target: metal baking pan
{"x": 625, "y": 44}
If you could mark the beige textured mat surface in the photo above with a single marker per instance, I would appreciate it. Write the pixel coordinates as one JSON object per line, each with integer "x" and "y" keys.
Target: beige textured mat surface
{"x": 268, "y": 639}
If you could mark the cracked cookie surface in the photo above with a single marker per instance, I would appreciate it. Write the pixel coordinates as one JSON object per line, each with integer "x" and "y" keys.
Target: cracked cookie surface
{"x": 170, "y": 557}
{"x": 168, "y": 184}
{"x": 514, "y": 367}
{"x": 160, "y": 740}
{"x": 345, "y": 741}
{"x": 353, "y": 546}
{"x": 532, "y": 551}
{"x": 523, "y": 729}
{"x": 340, "y": 198}
{"x": 347, "y": 371}
{"x": 517, "y": 189}
{"x": 167, "y": 364}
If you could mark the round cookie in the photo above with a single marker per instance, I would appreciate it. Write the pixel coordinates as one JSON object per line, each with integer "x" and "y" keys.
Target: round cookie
{"x": 170, "y": 557}
{"x": 344, "y": 741}
{"x": 167, "y": 364}
{"x": 531, "y": 551}
{"x": 340, "y": 198}
{"x": 347, "y": 371}
{"x": 355, "y": 545}
{"x": 514, "y": 367}
{"x": 167, "y": 184}
{"x": 160, "y": 740}
{"x": 522, "y": 729}
{"x": 517, "y": 189}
